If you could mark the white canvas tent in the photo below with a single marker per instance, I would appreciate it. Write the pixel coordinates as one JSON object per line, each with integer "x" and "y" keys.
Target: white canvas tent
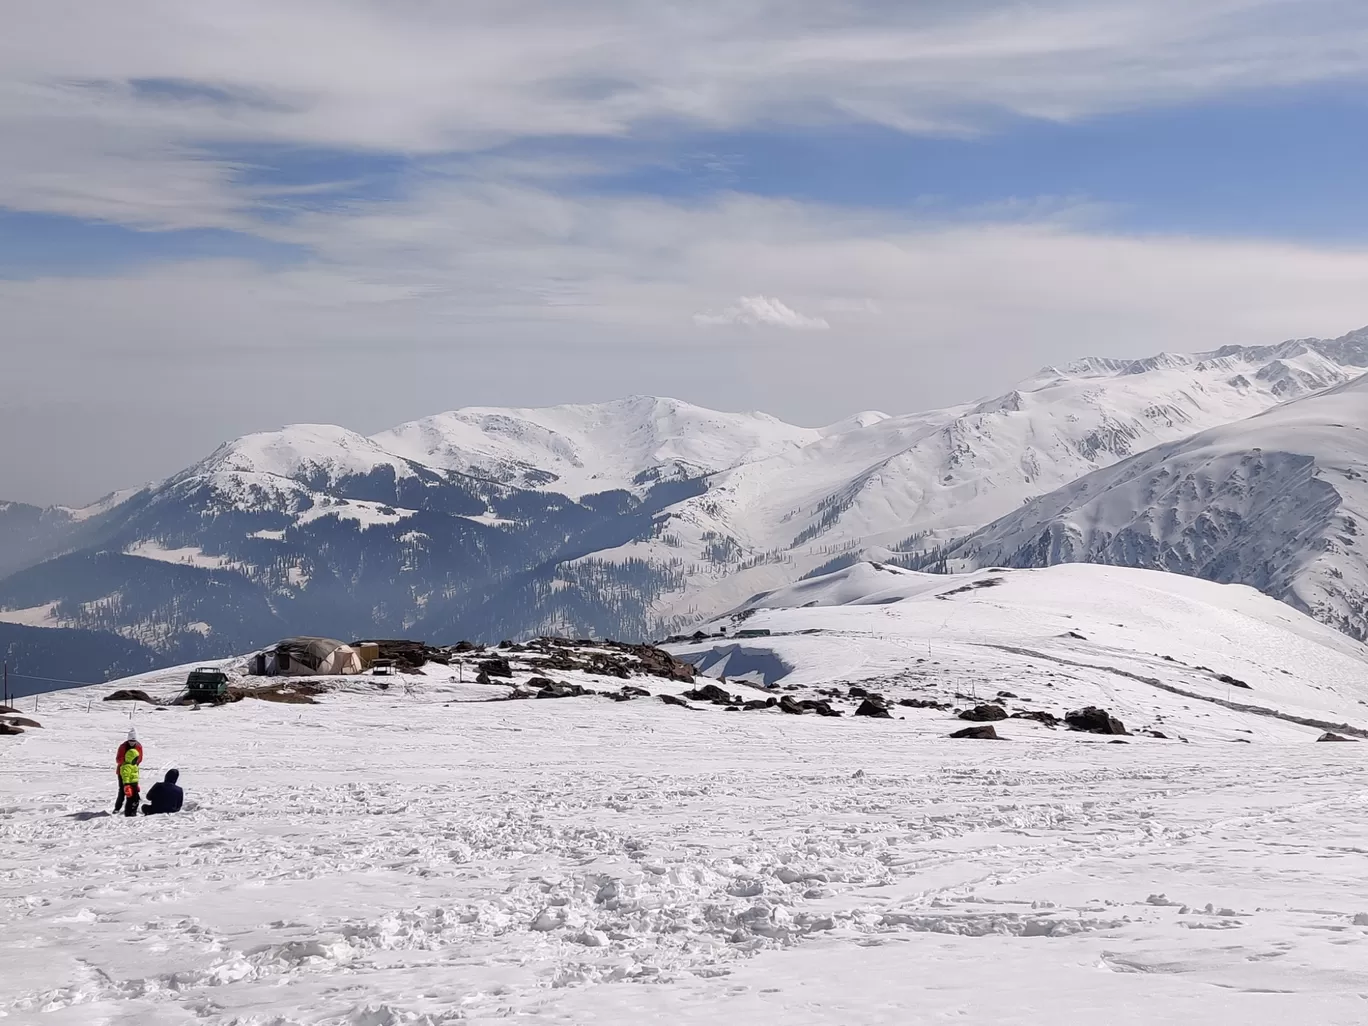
{"x": 310, "y": 657}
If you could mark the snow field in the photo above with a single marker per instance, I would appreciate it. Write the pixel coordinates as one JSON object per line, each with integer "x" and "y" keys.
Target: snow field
{"x": 424, "y": 855}
{"x": 400, "y": 858}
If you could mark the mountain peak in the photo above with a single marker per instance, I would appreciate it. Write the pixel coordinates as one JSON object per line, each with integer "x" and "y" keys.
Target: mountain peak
{"x": 580, "y": 449}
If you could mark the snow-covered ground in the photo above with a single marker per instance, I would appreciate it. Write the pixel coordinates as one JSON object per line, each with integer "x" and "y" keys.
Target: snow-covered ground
{"x": 417, "y": 855}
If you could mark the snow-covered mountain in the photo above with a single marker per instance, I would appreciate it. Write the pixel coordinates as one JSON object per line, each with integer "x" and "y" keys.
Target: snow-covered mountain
{"x": 895, "y": 487}
{"x": 579, "y": 450}
{"x": 1278, "y": 501}
{"x": 629, "y": 519}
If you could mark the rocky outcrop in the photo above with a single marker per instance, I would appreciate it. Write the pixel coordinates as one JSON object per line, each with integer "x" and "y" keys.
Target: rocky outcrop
{"x": 984, "y": 713}
{"x": 1093, "y": 720}
{"x": 984, "y": 733}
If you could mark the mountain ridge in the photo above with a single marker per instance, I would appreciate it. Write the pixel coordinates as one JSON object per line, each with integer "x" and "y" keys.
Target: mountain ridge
{"x": 670, "y": 513}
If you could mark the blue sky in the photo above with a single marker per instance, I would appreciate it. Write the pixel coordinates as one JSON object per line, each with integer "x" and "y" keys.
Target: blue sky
{"x": 519, "y": 203}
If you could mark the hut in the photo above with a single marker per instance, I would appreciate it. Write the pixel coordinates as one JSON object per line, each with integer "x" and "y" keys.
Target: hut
{"x": 308, "y": 657}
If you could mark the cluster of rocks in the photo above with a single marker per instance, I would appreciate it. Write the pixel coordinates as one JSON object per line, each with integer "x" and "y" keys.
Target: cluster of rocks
{"x": 562, "y": 655}
{"x": 1093, "y": 720}
{"x": 12, "y": 723}
{"x": 1090, "y": 720}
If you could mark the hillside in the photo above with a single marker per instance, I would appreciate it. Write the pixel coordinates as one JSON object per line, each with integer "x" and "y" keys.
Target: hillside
{"x": 1278, "y": 502}
{"x": 418, "y": 849}
{"x": 1186, "y": 658}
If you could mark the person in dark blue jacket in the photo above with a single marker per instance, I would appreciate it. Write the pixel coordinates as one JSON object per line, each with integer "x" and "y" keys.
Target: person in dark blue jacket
{"x": 165, "y": 795}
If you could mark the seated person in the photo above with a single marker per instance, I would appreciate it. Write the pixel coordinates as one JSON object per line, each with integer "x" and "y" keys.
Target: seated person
{"x": 165, "y": 796}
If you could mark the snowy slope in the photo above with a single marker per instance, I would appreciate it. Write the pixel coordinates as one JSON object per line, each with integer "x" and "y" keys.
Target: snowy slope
{"x": 1279, "y": 501}
{"x": 884, "y": 485}
{"x": 418, "y": 856}
{"x": 1150, "y": 647}
{"x": 599, "y": 447}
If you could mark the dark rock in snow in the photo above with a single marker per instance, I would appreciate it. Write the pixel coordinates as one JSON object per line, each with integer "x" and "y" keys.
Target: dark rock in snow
{"x": 760, "y": 703}
{"x": 674, "y": 700}
{"x": 1234, "y": 682}
{"x": 924, "y": 703}
{"x": 790, "y": 705}
{"x": 986, "y": 732}
{"x": 711, "y": 693}
{"x": 857, "y": 692}
{"x": 5, "y": 728}
{"x": 984, "y": 713}
{"x": 1039, "y": 715}
{"x": 496, "y": 667}
{"x": 1006, "y": 694}
{"x": 24, "y": 721}
{"x": 1328, "y": 736}
{"x": 130, "y": 695}
{"x": 560, "y": 689}
{"x": 1093, "y": 720}
{"x": 482, "y": 678}
{"x": 877, "y": 710}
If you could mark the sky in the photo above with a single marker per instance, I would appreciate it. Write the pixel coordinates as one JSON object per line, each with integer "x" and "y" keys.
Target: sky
{"x": 223, "y": 216}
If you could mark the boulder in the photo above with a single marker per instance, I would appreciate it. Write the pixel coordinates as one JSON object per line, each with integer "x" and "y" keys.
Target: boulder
{"x": 791, "y": 705}
{"x": 711, "y": 693}
{"x": 561, "y": 689}
{"x": 1093, "y": 720}
{"x": 760, "y": 703}
{"x": 5, "y": 728}
{"x": 130, "y": 695}
{"x": 923, "y": 703}
{"x": 24, "y": 721}
{"x": 496, "y": 667}
{"x": 674, "y": 700}
{"x": 986, "y": 732}
{"x": 1328, "y": 736}
{"x": 874, "y": 709}
{"x": 984, "y": 713}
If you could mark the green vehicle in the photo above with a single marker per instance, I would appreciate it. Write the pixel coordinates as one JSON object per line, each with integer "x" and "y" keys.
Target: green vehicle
{"x": 206, "y": 684}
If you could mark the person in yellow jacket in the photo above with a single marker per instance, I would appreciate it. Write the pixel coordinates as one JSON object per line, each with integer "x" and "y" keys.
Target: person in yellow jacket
{"x": 128, "y": 777}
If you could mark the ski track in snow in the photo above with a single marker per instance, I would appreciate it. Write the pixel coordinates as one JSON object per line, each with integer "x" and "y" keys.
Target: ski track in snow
{"x": 378, "y": 860}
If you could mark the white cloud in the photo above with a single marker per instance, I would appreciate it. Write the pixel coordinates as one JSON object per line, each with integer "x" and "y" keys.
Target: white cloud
{"x": 107, "y": 109}
{"x": 761, "y": 311}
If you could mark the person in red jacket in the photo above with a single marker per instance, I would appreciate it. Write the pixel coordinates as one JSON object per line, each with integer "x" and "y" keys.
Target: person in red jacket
{"x": 131, "y": 745}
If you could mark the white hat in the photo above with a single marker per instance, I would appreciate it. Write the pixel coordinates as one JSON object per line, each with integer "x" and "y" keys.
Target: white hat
{"x": 132, "y": 734}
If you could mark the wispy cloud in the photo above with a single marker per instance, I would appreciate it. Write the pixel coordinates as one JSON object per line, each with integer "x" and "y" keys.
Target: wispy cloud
{"x": 761, "y": 311}
{"x": 115, "y": 111}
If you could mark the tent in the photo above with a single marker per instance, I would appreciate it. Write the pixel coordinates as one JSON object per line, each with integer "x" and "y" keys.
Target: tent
{"x": 309, "y": 657}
